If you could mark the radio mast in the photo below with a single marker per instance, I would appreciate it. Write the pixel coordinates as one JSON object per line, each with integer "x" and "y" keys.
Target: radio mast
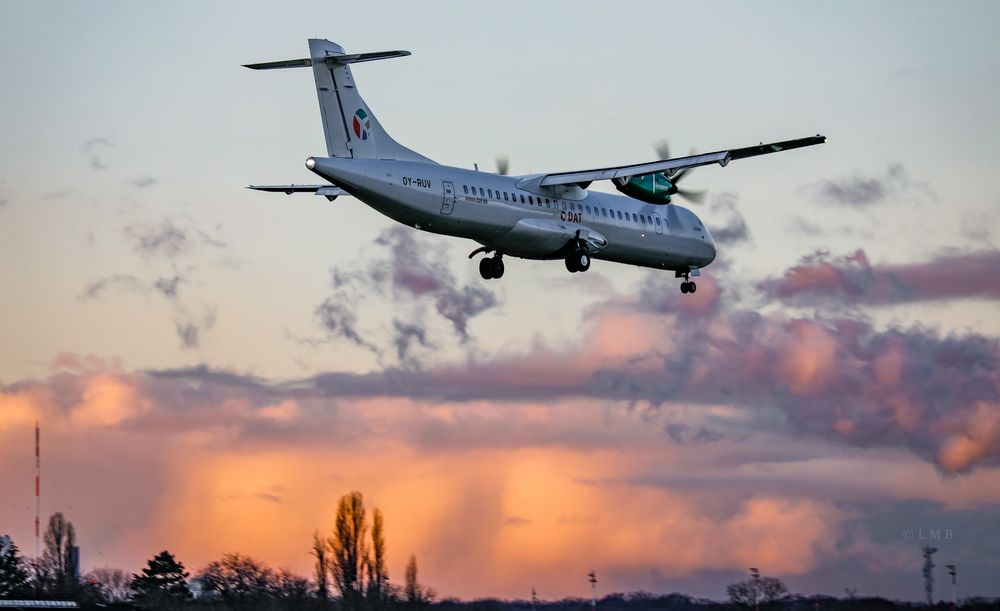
{"x": 38, "y": 490}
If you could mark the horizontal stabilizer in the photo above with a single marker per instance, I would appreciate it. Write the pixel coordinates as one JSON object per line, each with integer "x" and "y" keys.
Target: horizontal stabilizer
{"x": 332, "y": 60}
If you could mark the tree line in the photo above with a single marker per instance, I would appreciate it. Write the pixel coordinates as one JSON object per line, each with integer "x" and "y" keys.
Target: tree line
{"x": 350, "y": 574}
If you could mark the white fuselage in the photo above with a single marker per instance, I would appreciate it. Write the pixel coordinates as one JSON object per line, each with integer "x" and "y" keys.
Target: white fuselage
{"x": 493, "y": 211}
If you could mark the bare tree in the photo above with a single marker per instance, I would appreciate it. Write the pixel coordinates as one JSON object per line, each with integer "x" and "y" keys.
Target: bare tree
{"x": 113, "y": 585}
{"x": 929, "y": 573}
{"x": 289, "y": 586}
{"x": 350, "y": 552}
{"x": 762, "y": 590}
{"x": 413, "y": 592}
{"x": 58, "y": 557}
{"x": 321, "y": 551}
{"x": 378, "y": 574}
{"x": 237, "y": 579}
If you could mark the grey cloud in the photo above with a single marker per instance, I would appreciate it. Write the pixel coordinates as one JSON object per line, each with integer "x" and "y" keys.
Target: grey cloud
{"x": 4, "y": 201}
{"x": 168, "y": 286}
{"x": 132, "y": 284}
{"x": 682, "y": 434}
{"x": 416, "y": 276}
{"x": 144, "y": 181}
{"x": 860, "y": 191}
{"x": 189, "y": 328}
{"x": 169, "y": 238}
{"x": 122, "y": 282}
{"x": 92, "y": 148}
{"x": 406, "y": 334}
{"x": 340, "y": 320}
{"x": 729, "y": 226}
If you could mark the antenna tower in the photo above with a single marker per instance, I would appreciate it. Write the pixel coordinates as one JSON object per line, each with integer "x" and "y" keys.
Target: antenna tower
{"x": 38, "y": 490}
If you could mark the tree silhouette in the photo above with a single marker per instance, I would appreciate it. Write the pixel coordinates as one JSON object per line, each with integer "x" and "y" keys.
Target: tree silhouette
{"x": 59, "y": 570}
{"x": 237, "y": 579}
{"x": 162, "y": 584}
{"x": 413, "y": 592}
{"x": 111, "y": 585}
{"x": 321, "y": 551}
{"x": 378, "y": 574}
{"x": 762, "y": 590}
{"x": 350, "y": 552}
{"x": 14, "y": 580}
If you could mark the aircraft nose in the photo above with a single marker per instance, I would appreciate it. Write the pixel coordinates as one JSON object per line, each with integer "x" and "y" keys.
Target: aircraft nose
{"x": 710, "y": 250}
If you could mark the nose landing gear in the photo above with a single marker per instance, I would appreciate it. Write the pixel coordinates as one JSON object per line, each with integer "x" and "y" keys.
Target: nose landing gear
{"x": 491, "y": 268}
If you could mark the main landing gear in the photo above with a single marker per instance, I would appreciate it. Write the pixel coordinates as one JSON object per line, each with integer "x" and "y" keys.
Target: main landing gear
{"x": 688, "y": 286}
{"x": 491, "y": 268}
{"x": 578, "y": 261}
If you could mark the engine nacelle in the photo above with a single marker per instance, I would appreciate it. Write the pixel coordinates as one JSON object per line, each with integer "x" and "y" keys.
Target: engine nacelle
{"x": 650, "y": 188}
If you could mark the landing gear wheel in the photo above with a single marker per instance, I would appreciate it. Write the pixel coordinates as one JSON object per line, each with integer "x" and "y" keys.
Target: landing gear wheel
{"x": 692, "y": 287}
{"x": 578, "y": 261}
{"x": 496, "y": 266}
{"x": 491, "y": 267}
{"x": 688, "y": 287}
{"x": 684, "y": 287}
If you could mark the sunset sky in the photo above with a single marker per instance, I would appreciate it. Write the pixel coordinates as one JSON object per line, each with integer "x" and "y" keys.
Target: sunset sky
{"x": 214, "y": 367}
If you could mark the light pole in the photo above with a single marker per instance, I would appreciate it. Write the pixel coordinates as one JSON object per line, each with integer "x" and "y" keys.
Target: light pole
{"x": 593, "y": 589}
{"x": 534, "y": 599}
{"x": 954, "y": 585}
{"x": 756, "y": 587}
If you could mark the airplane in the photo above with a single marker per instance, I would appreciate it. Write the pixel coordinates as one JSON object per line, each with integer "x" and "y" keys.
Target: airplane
{"x": 538, "y": 216}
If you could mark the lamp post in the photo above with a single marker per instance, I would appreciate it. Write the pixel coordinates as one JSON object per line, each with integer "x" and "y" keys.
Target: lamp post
{"x": 593, "y": 589}
{"x": 953, "y": 571}
{"x": 534, "y": 599}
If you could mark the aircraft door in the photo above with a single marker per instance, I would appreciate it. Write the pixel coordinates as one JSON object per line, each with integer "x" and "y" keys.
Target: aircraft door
{"x": 658, "y": 223}
{"x": 449, "y": 198}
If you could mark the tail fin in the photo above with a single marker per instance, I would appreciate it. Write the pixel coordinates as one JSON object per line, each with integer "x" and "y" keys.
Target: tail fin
{"x": 350, "y": 126}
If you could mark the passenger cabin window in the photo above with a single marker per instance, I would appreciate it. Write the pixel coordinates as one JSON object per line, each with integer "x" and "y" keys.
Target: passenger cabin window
{"x": 466, "y": 189}
{"x": 604, "y": 212}
{"x": 504, "y": 196}
{"x": 563, "y": 205}
{"x": 588, "y": 210}
{"x": 481, "y": 192}
{"x": 522, "y": 198}
{"x": 490, "y": 191}
{"x": 643, "y": 217}
{"x": 657, "y": 220}
{"x": 635, "y": 218}
{"x": 619, "y": 212}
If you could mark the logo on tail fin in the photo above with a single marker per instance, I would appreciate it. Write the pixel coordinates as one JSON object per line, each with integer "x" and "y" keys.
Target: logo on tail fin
{"x": 361, "y": 124}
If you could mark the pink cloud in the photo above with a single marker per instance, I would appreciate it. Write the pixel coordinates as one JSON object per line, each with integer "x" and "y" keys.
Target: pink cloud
{"x": 820, "y": 278}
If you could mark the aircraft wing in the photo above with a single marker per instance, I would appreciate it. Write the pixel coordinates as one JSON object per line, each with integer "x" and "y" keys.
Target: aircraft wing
{"x": 330, "y": 192}
{"x": 720, "y": 157}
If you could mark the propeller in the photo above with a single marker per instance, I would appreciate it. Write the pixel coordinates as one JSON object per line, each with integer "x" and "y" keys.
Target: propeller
{"x": 503, "y": 165}
{"x": 695, "y": 197}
